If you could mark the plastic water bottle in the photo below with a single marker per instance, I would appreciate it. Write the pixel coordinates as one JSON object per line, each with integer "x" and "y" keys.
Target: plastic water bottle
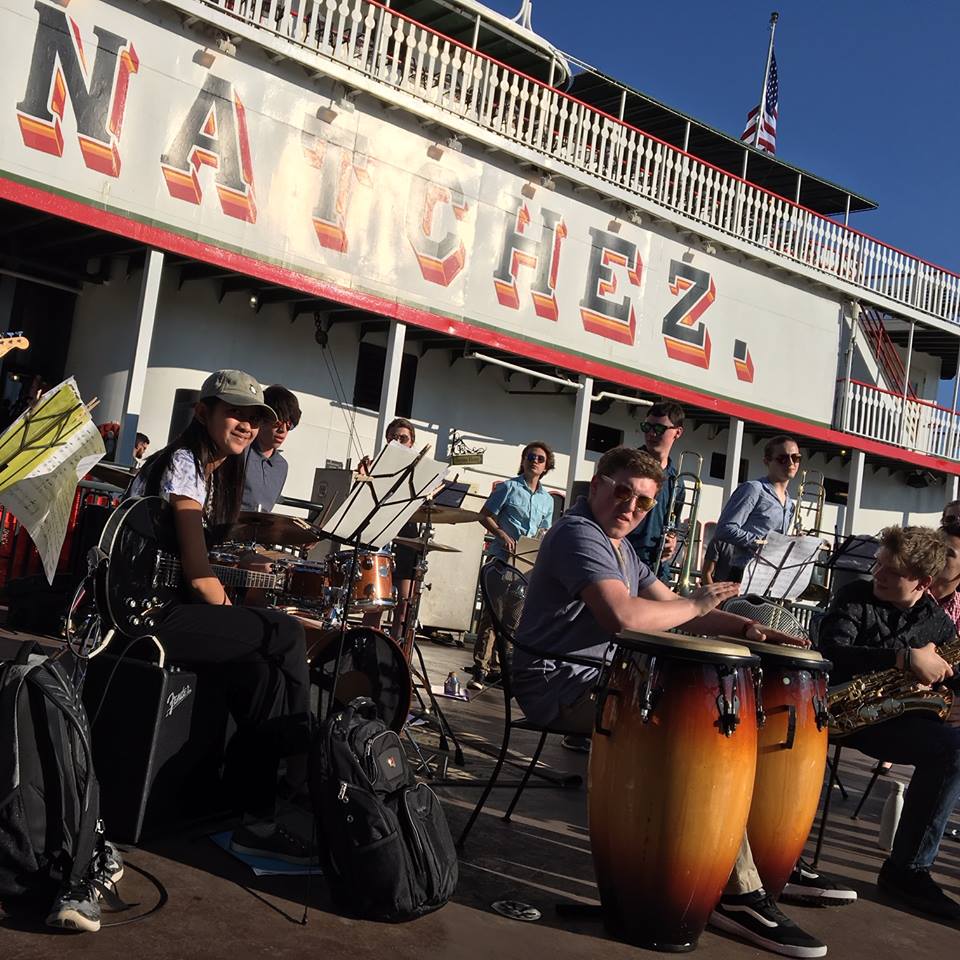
{"x": 890, "y": 818}
{"x": 451, "y": 686}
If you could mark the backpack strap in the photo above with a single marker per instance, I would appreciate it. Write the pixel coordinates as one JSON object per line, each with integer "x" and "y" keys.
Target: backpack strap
{"x": 56, "y": 688}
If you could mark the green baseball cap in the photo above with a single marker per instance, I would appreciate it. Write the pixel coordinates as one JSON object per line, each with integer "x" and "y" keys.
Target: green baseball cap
{"x": 237, "y": 388}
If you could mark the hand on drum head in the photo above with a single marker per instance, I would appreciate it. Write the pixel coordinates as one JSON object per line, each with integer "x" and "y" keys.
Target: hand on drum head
{"x": 760, "y": 634}
{"x": 711, "y": 595}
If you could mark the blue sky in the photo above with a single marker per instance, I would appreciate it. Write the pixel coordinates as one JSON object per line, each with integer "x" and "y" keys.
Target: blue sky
{"x": 867, "y": 90}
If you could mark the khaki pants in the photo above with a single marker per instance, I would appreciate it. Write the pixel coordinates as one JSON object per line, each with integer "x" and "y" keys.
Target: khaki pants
{"x": 744, "y": 878}
{"x": 485, "y": 646}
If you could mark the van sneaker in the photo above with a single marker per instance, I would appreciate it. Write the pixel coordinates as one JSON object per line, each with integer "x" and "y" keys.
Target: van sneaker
{"x": 754, "y": 917}
{"x": 77, "y": 907}
{"x": 809, "y": 888}
{"x": 279, "y": 844}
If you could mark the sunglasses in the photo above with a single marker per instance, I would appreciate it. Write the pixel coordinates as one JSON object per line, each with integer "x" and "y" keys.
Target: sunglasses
{"x": 403, "y": 438}
{"x": 285, "y": 425}
{"x": 536, "y": 458}
{"x": 657, "y": 429}
{"x": 785, "y": 459}
{"x": 623, "y": 492}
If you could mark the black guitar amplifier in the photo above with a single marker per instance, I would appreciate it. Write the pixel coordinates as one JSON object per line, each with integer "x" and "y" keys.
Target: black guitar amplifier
{"x": 158, "y": 741}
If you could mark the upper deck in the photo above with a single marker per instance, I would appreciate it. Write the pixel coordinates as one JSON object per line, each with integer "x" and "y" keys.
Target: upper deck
{"x": 386, "y": 53}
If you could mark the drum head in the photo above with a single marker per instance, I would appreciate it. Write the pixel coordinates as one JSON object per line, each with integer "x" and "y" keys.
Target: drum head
{"x": 372, "y": 666}
{"x": 787, "y": 658}
{"x": 702, "y": 649}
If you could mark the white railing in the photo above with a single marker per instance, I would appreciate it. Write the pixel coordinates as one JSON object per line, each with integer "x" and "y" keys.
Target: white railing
{"x": 381, "y": 44}
{"x": 918, "y": 425}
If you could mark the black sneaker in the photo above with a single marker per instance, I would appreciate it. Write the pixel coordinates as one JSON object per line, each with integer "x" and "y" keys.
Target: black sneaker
{"x": 279, "y": 844}
{"x": 476, "y": 682}
{"x": 811, "y": 889}
{"x": 917, "y": 889}
{"x": 754, "y": 917}
{"x": 76, "y": 908}
{"x": 578, "y": 744}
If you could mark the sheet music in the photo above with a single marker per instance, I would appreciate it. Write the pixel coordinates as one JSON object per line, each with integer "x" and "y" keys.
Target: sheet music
{"x": 386, "y": 498}
{"x": 48, "y": 450}
{"x": 783, "y": 567}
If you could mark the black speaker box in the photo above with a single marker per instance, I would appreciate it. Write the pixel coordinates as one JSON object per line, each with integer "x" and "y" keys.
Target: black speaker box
{"x": 158, "y": 743}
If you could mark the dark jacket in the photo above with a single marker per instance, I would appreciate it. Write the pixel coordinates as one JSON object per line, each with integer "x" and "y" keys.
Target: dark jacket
{"x": 861, "y": 634}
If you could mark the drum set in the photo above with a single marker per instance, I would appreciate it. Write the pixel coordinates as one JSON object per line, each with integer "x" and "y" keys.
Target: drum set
{"x": 344, "y": 593}
{"x": 698, "y": 741}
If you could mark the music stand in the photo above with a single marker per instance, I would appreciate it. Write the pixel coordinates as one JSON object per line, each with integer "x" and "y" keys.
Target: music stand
{"x": 774, "y": 567}
{"x": 374, "y": 510}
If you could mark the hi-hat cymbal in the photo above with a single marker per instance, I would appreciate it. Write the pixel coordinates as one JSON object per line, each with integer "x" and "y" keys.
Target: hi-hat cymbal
{"x": 253, "y": 527}
{"x": 438, "y": 514}
{"x": 427, "y": 545}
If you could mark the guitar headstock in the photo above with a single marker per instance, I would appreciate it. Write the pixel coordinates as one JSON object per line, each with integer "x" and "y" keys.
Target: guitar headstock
{"x": 13, "y": 341}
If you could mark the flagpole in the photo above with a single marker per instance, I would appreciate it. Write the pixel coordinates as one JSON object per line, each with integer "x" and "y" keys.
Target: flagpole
{"x": 774, "y": 17}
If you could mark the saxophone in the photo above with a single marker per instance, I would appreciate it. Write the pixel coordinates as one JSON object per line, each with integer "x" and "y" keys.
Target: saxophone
{"x": 885, "y": 694}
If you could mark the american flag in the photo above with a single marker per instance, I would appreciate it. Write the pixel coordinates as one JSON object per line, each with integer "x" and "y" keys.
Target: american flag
{"x": 768, "y": 128}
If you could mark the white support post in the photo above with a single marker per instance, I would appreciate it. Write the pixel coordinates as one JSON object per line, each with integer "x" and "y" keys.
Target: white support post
{"x": 137, "y": 377}
{"x": 952, "y": 436}
{"x": 391, "y": 382}
{"x": 731, "y": 475}
{"x": 854, "y": 489}
{"x": 578, "y": 436}
{"x": 854, "y": 310}
{"x": 953, "y": 488}
{"x": 906, "y": 389}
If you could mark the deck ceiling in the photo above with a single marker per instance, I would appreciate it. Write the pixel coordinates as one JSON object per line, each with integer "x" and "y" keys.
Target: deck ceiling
{"x": 714, "y": 146}
{"x": 506, "y": 43}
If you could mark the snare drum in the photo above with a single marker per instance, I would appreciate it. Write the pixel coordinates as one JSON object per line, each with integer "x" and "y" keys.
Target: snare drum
{"x": 791, "y": 757}
{"x": 372, "y": 586}
{"x": 309, "y": 584}
{"x": 671, "y": 776}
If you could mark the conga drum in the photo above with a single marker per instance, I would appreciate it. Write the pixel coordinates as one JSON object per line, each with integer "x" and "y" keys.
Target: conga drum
{"x": 791, "y": 757}
{"x": 671, "y": 777}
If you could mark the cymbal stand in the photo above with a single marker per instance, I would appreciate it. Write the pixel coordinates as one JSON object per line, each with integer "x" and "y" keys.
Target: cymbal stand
{"x": 433, "y": 714}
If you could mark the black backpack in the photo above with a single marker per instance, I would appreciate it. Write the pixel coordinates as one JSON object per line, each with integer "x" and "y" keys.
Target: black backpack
{"x": 385, "y": 845}
{"x": 49, "y": 796}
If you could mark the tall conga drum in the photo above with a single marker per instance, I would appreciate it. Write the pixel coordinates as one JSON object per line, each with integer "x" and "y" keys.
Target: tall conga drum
{"x": 671, "y": 777}
{"x": 791, "y": 757}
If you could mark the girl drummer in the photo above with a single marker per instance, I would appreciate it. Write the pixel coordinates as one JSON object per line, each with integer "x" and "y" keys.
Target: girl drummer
{"x": 258, "y": 655}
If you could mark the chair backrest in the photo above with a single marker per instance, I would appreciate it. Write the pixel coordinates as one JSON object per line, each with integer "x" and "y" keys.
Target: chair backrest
{"x": 767, "y": 613}
{"x": 504, "y": 590}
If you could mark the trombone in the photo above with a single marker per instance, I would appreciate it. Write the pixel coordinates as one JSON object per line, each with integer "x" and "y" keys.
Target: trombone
{"x": 686, "y": 490}
{"x": 811, "y": 496}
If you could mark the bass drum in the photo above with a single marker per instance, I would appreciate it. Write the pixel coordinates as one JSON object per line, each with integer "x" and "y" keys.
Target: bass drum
{"x": 671, "y": 776}
{"x": 372, "y": 666}
{"x": 791, "y": 757}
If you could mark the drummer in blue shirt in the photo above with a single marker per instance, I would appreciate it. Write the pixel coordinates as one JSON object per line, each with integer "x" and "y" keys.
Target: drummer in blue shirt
{"x": 518, "y": 507}
{"x": 759, "y": 507}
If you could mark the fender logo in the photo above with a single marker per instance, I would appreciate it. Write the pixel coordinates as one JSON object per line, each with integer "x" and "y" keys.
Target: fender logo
{"x": 177, "y": 697}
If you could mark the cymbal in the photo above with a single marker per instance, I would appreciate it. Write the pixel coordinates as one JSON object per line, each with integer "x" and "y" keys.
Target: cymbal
{"x": 113, "y": 473}
{"x": 437, "y": 514}
{"x": 427, "y": 545}
{"x": 253, "y": 527}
